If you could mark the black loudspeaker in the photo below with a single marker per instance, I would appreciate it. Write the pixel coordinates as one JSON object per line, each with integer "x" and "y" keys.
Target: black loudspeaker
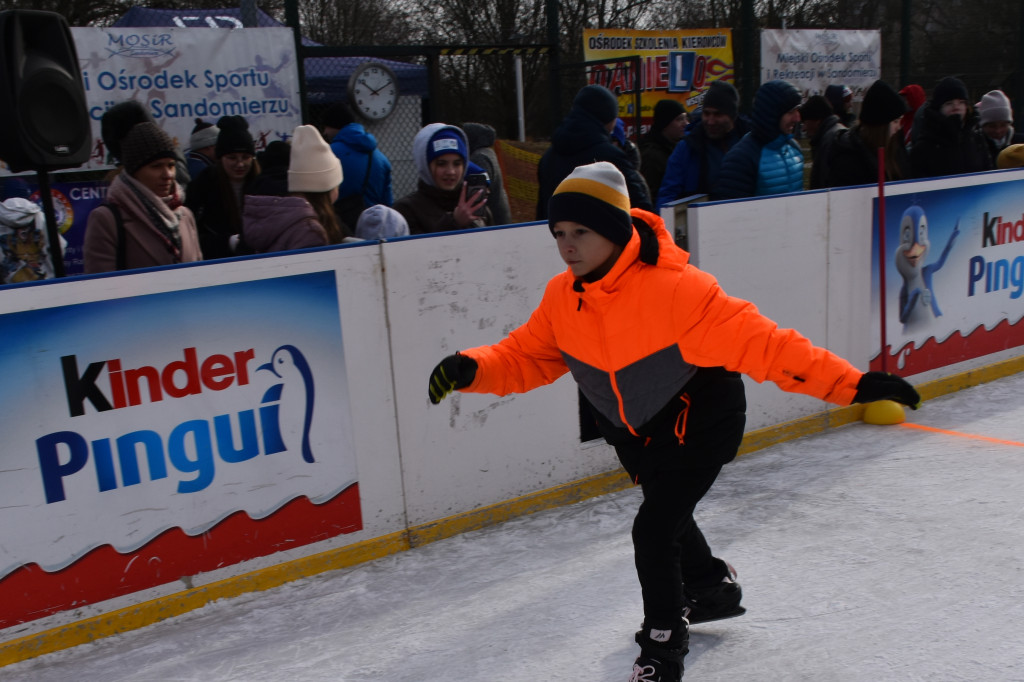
{"x": 44, "y": 123}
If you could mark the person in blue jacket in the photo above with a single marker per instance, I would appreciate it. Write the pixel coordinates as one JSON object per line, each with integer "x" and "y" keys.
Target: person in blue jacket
{"x": 767, "y": 160}
{"x": 693, "y": 166}
{"x": 366, "y": 170}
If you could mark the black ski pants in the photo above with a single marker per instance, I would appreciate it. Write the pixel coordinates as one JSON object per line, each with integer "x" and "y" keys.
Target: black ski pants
{"x": 676, "y": 463}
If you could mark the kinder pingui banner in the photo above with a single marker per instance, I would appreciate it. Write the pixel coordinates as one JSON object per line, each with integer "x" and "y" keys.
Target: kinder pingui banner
{"x": 677, "y": 64}
{"x": 954, "y": 271}
{"x": 158, "y": 421}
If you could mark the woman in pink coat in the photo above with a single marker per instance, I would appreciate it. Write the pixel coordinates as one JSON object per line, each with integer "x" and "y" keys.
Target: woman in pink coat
{"x": 305, "y": 218}
{"x": 143, "y": 222}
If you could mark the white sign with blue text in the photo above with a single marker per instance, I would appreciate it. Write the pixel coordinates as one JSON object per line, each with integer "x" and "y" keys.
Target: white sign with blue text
{"x": 181, "y": 74}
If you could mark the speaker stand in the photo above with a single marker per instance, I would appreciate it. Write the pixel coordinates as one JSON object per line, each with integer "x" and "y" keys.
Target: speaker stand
{"x": 52, "y": 234}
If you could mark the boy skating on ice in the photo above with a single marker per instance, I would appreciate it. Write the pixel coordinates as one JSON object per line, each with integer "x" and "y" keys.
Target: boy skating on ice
{"x": 656, "y": 348}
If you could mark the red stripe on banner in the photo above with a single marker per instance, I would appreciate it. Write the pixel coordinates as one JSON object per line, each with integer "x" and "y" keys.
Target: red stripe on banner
{"x": 909, "y": 361}
{"x": 30, "y": 592}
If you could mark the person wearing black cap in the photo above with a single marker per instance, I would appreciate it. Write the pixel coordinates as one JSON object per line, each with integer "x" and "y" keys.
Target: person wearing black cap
{"x": 694, "y": 164}
{"x": 584, "y": 136}
{"x": 946, "y": 137}
{"x": 840, "y": 98}
{"x": 216, "y": 196}
{"x": 656, "y": 145}
{"x": 767, "y": 160}
{"x": 142, "y": 223}
{"x": 821, "y": 126}
{"x": 853, "y": 155}
{"x": 669, "y": 399}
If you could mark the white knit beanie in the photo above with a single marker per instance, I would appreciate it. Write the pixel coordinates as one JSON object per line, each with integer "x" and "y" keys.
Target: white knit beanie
{"x": 313, "y": 167}
{"x": 995, "y": 107}
{"x": 204, "y": 135}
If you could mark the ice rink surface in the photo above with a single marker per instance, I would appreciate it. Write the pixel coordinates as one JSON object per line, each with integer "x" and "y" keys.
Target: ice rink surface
{"x": 866, "y": 553}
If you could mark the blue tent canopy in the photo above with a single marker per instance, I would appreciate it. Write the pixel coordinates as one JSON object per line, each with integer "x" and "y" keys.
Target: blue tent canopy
{"x": 326, "y": 77}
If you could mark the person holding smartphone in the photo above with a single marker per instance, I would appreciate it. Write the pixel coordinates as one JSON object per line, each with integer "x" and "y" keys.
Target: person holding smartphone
{"x": 443, "y": 200}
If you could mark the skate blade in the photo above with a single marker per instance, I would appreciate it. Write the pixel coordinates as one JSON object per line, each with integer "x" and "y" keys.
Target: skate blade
{"x": 739, "y": 611}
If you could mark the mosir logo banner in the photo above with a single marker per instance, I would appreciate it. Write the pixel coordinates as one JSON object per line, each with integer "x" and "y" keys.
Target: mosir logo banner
{"x": 181, "y": 74}
{"x": 128, "y": 417}
{"x": 954, "y": 275}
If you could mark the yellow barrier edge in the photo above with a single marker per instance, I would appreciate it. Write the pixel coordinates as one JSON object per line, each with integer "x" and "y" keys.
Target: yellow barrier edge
{"x": 153, "y": 611}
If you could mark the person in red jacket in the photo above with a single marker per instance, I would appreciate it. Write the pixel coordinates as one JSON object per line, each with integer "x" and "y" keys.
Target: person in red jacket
{"x": 656, "y": 347}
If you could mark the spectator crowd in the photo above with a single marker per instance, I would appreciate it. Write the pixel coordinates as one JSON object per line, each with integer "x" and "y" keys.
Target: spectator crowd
{"x": 332, "y": 184}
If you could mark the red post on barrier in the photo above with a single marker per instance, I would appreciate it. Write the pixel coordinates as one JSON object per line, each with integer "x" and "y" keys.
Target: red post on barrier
{"x": 881, "y": 254}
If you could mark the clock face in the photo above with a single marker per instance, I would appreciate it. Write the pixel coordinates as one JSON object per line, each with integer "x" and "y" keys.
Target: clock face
{"x": 374, "y": 91}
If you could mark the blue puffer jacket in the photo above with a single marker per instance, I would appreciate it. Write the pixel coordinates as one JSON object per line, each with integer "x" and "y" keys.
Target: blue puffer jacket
{"x": 354, "y": 147}
{"x": 695, "y": 162}
{"x": 765, "y": 161}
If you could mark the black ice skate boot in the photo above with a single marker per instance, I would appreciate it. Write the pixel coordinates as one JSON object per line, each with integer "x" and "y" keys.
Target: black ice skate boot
{"x": 714, "y": 602}
{"x": 661, "y": 653}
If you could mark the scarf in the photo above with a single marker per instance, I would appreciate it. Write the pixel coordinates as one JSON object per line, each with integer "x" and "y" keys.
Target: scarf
{"x": 159, "y": 211}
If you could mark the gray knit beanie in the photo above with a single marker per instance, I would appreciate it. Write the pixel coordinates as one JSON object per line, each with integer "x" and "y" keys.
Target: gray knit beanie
{"x": 145, "y": 143}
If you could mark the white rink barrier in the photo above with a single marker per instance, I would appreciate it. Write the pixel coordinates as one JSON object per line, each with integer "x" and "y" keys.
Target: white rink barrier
{"x": 188, "y": 433}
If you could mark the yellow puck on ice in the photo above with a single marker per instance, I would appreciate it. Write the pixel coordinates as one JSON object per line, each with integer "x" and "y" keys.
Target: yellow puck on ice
{"x": 884, "y": 412}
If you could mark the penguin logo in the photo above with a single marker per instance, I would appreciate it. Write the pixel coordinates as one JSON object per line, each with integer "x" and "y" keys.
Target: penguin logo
{"x": 918, "y": 302}
{"x": 288, "y": 363}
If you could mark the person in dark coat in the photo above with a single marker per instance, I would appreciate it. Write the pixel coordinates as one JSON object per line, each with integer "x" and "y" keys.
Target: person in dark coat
{"x": 840, "y": 98}
{"x": 821, "y": 126}
{"x": 216, "y": 197}
{"x": 273, "y": 177}
{"x": 656, "y": 145}
{"x": 995, "y": 116}
{"x": 585, "y": 137}
{"x": 767, "y": 160}
{"x": 853, "y": 154}
{"x": 202, "y": 143}
{"x": 481, "y": 152}
{"x": 441, "y": 202}
{"x": 693, "y": 166}
{"x": 947, "y": 140}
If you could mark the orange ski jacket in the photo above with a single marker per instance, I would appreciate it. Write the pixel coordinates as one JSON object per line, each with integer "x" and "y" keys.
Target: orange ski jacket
{"x": 635, "y": 337}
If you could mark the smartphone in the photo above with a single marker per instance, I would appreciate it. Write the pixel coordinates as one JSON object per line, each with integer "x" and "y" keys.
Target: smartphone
{"x": 477, "y": 183}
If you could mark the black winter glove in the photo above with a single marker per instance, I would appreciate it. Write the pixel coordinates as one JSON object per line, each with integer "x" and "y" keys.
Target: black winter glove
{"x": 884, "y": 386}
{"x": 454, "y": 372}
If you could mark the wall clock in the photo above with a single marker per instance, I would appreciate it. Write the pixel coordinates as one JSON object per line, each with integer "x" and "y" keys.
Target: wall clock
{"x": 373, "y": 90}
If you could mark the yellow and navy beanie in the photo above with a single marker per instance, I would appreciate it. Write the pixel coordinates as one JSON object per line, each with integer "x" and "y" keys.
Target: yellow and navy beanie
{"x": 594, "y": 195}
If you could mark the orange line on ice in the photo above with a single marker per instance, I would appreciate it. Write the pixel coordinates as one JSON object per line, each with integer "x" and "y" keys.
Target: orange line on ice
{"x": 962, "y": 435}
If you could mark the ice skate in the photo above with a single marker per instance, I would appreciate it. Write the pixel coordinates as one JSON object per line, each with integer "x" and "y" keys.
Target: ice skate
{"x": 717, "y": 602}
{"x": 661, "y": 654}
